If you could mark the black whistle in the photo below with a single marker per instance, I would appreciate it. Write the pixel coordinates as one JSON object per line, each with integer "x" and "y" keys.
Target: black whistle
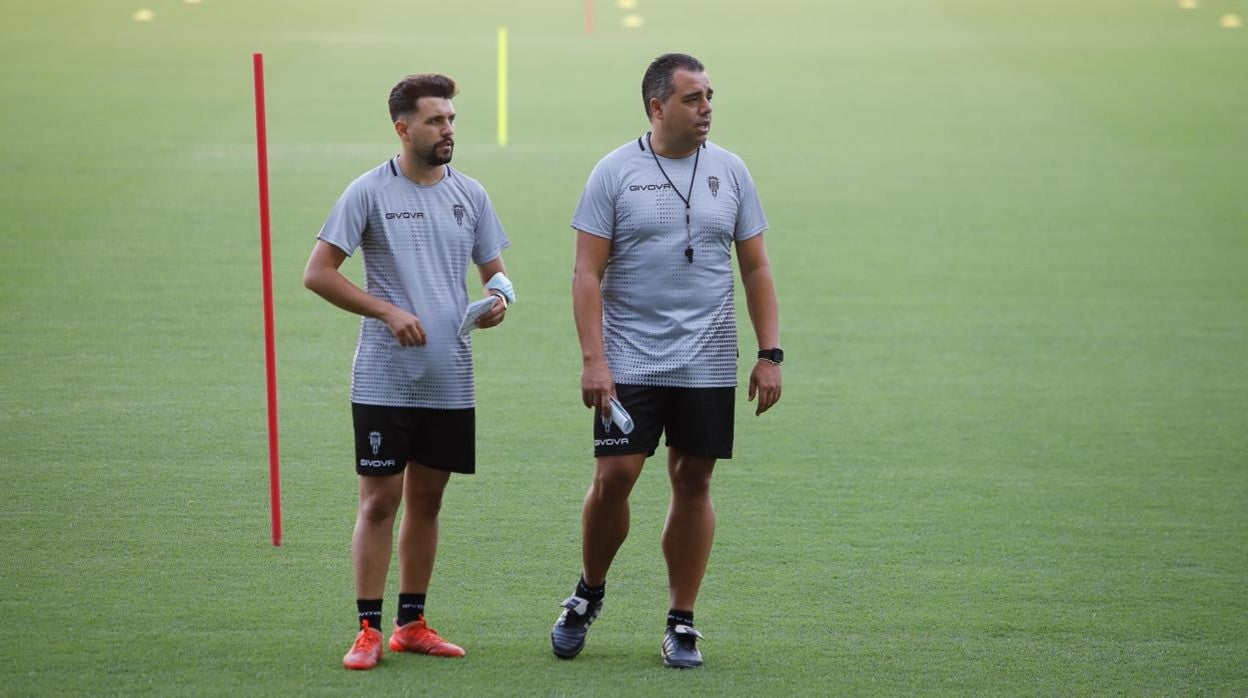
{"x": 689, "y": 254}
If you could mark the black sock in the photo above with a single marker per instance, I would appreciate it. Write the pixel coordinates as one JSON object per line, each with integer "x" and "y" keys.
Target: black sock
{"x": 411, "y": 608}
{"x": 585, "y": 591}
{"x": 369, "y": 610}
{"x": 676, "y": 617}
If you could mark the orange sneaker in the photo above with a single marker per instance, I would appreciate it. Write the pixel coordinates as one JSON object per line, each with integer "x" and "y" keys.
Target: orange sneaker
{"x": 365, "y": 651}
{"x": 422, "y": 639}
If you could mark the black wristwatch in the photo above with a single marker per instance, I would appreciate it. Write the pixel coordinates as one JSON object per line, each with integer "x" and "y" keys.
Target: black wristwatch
{"x": 775, "y": 355}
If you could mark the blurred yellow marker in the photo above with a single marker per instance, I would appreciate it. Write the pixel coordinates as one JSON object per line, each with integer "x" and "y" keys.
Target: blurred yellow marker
{"x": 632, "y": 21}
{"x": 191, "y": 2}
{"x": 1231, "y": 22}
{"x": 626, "y": 4}
{"x": 502, "y": 86}
{"x": 1188, "y": 4}
{"x": 144, "y": 16}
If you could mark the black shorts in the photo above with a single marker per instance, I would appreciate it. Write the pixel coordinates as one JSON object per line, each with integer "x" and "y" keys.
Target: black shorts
{"x": 387, "y": 438}
{"x": 697, "y": 421}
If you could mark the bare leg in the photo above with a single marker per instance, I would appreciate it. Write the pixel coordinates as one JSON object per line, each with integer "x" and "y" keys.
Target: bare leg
{"x": 374, "y": 533}
{"x": 605, "y": 517}
{"x": 690, "y": 527}
{"x": 418, "y": 532}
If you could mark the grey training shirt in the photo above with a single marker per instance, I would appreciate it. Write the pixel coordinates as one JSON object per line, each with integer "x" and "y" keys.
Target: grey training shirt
{"x": 417, "y": 242}
{"x": 666, "y": 321}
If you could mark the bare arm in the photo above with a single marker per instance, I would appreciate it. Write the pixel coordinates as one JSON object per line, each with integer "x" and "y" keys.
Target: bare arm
{"x": 499, "y": 311}
{"x": 597, "y": 385}
{"x": 322, "y": 277}
{"x": 760, "y": 298}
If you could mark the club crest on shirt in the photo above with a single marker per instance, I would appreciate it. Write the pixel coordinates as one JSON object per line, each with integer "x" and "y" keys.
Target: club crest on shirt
{"x": 713, "y": 183}
{"x": 458, "y": 210}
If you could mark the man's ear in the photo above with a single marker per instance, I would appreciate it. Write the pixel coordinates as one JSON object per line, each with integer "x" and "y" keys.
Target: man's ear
{"x": 656, "y": 108}
{"x": 400, "y": 127}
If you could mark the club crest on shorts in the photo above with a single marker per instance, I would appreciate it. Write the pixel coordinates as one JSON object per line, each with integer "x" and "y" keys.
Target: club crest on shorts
{"x": 374, "y": 440}
{"x": 458, "y": 210}
{"x": 713, "y": 183}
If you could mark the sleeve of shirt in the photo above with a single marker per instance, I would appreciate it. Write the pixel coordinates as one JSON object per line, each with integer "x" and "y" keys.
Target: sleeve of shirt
{"x": 489, "y": 238}
{"x": 344, "y": 228}
{"x": 595, "y": 213}
{"x": 750, "y": 217}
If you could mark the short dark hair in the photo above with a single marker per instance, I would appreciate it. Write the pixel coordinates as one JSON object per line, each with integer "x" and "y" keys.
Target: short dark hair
{"x": 657, "y": 82}
{"x": 411, "y": 88}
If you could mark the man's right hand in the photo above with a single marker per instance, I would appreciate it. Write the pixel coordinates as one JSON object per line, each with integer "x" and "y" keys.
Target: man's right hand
{"x": 597, "y": 386}
{"x": 323, "y": 278}
{"x": 404, "y": 326}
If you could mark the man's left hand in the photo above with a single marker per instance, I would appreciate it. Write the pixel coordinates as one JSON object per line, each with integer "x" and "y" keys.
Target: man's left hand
{"x": 765, "y": 383}
{"x": 496, "y": 314}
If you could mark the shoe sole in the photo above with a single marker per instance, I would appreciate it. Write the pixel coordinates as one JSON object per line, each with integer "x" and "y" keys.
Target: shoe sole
{"x": 560, "y": 655}
{"x": 360, "y": 667}
{"x": 456, "y": 653}
{"x": 429, "y": 654}
{"x": 673, "y": 665}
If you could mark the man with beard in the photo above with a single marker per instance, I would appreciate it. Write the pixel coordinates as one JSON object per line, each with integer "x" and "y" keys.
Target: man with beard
{"x": 418, "y": 223}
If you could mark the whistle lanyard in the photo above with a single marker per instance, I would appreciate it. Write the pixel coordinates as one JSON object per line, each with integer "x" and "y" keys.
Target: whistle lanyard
{"x": 687, "y": 200}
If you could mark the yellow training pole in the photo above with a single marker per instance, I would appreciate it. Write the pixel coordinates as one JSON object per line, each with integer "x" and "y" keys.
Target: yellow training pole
{"x": 502, "y": 86}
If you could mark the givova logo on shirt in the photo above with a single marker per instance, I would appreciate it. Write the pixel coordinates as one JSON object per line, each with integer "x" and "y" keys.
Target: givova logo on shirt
{"x": 649, "y": 187}
{"x": 404, "y": 214}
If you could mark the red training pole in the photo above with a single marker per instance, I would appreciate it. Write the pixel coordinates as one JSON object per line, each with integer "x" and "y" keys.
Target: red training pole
{"x": 266, "y": 273}
{"x": 589, "y": 17}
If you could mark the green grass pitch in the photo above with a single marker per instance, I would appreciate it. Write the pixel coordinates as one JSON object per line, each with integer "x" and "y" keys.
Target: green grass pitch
{"x": 1011, "y": 245}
